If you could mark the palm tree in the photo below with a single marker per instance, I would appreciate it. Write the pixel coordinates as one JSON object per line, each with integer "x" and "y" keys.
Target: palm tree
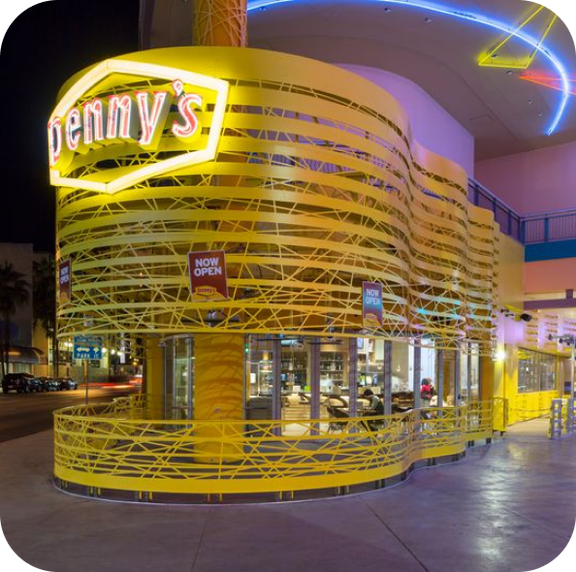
{"x": 44, "y": 297}
{"x": 13, "y": 293}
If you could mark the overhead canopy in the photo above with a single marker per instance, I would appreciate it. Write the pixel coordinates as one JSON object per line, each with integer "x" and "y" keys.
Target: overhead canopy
{"x": 23, "y": 354}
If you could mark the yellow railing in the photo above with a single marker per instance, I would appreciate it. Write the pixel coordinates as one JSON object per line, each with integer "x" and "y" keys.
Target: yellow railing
{"x": 116, "y": 447}
{"x": 500, "y": 414}
{"x": 527, "y": 406}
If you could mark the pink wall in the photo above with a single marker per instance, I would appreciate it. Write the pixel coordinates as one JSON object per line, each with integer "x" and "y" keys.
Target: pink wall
{"x": 537, "y": 181}
{"x": 549, "y": 275}
{"x": 432, "y": 126}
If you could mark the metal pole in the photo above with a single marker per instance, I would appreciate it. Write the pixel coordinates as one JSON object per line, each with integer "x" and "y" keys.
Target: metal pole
{"x": 417, "y": 375}
{"x": 174, "y": 381}
{"x": 440, "y": 377}
{"x": 315, "y": 383}
{"x": 277, "y": 379}
{"x": 457, "y": 376}
{"x": 165, "y": 377}
{"x": 85, "y": 375}
{"x": 572, "y": 367}
{"x": 469, "y": 375}
{"x": 189, "y": 376}
{"x": 353, "y": 377}
{"x": 387, "y": 377}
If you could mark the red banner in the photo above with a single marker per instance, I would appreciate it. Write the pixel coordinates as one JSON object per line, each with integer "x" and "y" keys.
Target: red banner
{"x": 208, "y": 275}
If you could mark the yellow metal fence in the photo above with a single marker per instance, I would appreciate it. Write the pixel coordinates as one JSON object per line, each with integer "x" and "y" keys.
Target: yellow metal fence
{"x": 118, "y": 447}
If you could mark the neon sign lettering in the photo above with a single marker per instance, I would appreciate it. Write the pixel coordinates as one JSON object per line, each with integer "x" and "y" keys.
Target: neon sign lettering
{"x": 124, "y": 119}
{"x": 138, "y": 117}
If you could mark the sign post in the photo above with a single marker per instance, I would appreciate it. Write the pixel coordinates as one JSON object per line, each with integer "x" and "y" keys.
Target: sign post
{"x": 85, "y": 376}
{"x": 87, "y": 348}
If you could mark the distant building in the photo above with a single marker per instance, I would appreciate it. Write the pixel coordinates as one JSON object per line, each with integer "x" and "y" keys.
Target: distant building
{"x": 28, "y": 349}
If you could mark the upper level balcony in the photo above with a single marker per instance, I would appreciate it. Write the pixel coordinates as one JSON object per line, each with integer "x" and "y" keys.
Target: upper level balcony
{"x": 547, "y": 235}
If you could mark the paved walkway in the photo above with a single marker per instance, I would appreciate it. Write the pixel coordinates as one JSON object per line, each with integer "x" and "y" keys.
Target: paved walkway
{"x": 510, "y": 507}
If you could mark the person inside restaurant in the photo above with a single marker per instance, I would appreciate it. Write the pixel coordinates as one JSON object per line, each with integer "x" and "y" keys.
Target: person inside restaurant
{"x": 426, "y": 391}
{"x": 375, "y": 405}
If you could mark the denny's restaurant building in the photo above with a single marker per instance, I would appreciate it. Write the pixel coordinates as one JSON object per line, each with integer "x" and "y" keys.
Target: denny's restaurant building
{"x": 266, "y": 230}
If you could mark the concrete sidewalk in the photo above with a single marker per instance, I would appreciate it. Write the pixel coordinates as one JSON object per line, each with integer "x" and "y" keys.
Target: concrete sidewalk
{"x": 509, "y": 507}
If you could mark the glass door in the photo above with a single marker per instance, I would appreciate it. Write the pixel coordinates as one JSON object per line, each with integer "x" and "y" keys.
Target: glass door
{"x": 183, "y": 378}
{"x": 259, "y": 377}
{"x": 179, "y": 377}
{"x": 295, "y": 380}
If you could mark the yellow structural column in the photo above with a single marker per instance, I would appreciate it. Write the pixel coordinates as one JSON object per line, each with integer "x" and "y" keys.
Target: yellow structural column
{"x": 219, "y": 357}
{"x": 220, "y": 23}
{"x": 218, "y": 394}
{"x": 154, "y": 376}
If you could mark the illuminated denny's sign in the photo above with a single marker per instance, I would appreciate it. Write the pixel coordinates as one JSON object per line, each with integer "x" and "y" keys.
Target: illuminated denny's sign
{"x": 186, "y": 106}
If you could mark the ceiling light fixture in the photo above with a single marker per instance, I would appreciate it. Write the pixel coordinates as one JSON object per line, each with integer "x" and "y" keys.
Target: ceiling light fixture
{"x": 427, "y": 20}
{"x": 477, "y": 19}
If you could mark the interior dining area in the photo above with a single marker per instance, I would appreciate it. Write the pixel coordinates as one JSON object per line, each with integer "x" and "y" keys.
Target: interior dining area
{"x": 297, "y": 378}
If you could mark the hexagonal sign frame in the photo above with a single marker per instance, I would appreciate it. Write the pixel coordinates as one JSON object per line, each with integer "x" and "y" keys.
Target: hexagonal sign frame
{"x": 166, "y": 166}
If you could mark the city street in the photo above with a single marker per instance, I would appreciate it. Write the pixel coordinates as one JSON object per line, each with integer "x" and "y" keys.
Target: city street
{"x": 25, "y": 414}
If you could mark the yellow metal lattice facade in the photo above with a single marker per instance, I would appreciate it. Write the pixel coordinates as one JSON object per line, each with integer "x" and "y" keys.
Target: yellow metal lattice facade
{"x": 316, "y": 186}
{"x": 121, "y": 447}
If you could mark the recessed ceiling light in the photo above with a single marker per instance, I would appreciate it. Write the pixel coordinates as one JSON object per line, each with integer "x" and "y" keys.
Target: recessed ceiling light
{"x": 427, "y": 20}
{"x": 387, "y": 9}
{"x": 509, "y": 72}
{"x": 494, "y": 56}
{"x": 530, "y": 101}
{"x": 540, "y": 114}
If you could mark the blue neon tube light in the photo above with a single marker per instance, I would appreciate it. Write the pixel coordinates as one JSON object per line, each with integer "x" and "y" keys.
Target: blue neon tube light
{"x": 470, "y": 17}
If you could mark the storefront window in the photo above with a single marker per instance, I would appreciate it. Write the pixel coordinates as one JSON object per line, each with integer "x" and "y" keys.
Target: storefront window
{"x": 428, "y": 363}
{"x": 371, "y": 364}
{"x": 536, "y": 371}
{"x": 402, "y": 376}
{"x": 470, "y": 375}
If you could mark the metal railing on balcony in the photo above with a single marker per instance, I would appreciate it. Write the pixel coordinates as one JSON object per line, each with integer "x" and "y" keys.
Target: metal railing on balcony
{"x": 548, "y": 227}
{"x": 510, "y": 222}
{"x": 530, "y": 229}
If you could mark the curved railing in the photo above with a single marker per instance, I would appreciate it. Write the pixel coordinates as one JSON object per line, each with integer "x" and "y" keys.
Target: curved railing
{"x": 116, "y": 447}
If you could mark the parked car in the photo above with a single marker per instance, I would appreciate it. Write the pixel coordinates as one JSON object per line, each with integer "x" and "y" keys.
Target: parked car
{"x": 21, "y": 383}
{"x": 67, "y": 383}
{"x": 49, "y": 384}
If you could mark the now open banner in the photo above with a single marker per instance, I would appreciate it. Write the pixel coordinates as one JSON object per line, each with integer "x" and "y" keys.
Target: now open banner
{"x": 65, "y": 281}
{"x": 208, "y": 275}
{"x": 371, "y": 304}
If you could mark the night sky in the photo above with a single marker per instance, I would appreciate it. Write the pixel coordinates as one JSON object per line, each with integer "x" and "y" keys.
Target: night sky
{"x": 44, "y": 47}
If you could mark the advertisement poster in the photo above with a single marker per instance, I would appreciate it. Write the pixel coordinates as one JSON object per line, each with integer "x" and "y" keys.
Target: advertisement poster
{"x": 371, "y": 304}
{"x": 208, "y": 275}
{"x": 65, "y": 281}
